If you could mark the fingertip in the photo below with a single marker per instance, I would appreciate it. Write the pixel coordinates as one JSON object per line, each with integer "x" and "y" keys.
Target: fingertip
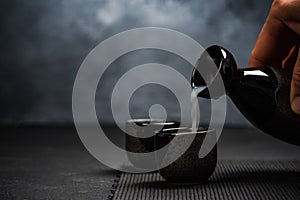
{"x": 296, "y": 105}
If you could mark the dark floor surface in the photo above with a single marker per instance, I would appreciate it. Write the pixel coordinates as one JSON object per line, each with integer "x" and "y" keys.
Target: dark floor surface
{"x": 52, "y": 163}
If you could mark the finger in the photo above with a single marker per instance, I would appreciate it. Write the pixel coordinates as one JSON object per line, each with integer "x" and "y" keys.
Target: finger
{"x": 273, "y": 44}
{"x": 295, "y": 86}
{"x": 289, "y": 62}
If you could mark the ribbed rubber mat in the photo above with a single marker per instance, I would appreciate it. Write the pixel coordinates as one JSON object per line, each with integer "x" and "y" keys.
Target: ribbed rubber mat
{"x": 232, "y": 180}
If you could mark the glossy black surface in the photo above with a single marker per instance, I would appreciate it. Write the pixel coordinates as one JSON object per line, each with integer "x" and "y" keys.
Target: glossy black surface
{"x": 261, "y": 94}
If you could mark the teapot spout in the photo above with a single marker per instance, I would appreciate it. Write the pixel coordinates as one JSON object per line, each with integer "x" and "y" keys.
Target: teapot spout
{"x": 202, "y": 92}
{"x": 213, "y": 61}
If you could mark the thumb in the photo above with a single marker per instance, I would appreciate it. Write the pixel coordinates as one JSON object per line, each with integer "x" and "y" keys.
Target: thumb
{"x": 295, "y": 87}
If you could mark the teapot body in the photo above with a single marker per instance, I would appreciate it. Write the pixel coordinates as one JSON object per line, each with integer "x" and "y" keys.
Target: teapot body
{"x": 263, "y": 96}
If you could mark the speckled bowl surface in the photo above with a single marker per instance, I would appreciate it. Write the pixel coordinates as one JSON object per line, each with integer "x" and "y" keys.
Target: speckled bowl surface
{"x": 142, "y": 144}
{"x": 188, "y": 168}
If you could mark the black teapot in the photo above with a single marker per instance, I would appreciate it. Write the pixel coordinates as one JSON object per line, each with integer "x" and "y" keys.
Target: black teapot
{"x": 262, "y": 94}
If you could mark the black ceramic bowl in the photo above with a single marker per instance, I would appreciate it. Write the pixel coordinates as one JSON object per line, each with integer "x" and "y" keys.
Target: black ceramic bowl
{"x": 142, "y": 144}
{"x": 188, "y": 168}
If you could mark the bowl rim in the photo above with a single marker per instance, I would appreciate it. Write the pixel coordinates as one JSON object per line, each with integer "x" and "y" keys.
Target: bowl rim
{"x": 200, "y": 130}
{"x": 155, "y": 121}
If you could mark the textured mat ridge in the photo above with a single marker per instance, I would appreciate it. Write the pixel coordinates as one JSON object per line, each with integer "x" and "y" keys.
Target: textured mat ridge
{"x": 232, "y": 180}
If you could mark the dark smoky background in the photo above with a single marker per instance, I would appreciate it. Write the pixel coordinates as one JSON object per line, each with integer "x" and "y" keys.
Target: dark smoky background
{"x": 43, "y": 44}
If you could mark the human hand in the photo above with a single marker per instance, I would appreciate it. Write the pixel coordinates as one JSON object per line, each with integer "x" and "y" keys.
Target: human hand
{"x": 278, "y": 44}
